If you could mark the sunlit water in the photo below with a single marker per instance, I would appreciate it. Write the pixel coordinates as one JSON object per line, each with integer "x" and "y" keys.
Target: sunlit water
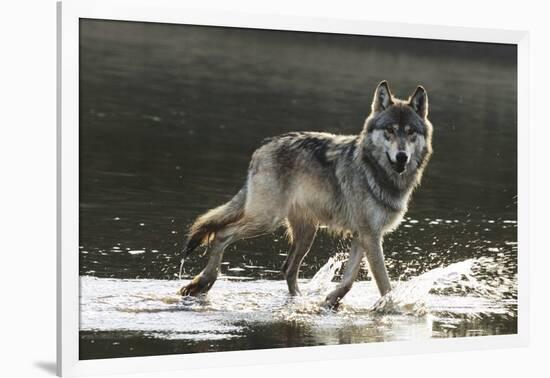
{"x": 435, "y": 304}
{"x": 169, "y": 117}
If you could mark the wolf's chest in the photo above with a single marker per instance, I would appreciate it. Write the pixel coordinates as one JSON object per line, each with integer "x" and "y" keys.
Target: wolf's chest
{"x": 385, "y": 216}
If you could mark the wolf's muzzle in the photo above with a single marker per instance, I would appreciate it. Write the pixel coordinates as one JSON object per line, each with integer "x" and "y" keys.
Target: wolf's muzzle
{"x": 401, "y": 158}
{"x": 400, "y": 162}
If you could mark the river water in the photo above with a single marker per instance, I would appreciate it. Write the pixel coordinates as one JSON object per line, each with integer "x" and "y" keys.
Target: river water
{"x": 169, "y": 116}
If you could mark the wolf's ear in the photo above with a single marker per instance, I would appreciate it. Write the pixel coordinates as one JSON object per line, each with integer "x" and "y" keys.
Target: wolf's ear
{"x": 382, "y": 97}
{"x": 419, "y": 101}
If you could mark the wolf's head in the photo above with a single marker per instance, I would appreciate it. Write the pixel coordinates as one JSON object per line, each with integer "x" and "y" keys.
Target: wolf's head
{"x": 397, "y": 132}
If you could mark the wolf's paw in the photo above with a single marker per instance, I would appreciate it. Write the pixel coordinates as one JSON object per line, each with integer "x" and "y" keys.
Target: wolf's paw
{"x": 387, "y": 305}
{"x": 293, "y": 289}
{"x": 331, "y": 303}
{"x": 199, "y": 285}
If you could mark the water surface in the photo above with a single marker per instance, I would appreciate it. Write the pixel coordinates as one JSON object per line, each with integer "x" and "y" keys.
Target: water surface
{"x": 169, "y": 116}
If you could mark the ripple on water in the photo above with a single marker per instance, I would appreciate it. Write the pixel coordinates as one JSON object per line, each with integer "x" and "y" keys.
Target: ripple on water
{"x": 458, "y": 291}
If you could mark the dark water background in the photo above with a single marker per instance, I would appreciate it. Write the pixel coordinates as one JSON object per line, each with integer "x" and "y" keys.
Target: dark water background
{"x": 170, "y": 114}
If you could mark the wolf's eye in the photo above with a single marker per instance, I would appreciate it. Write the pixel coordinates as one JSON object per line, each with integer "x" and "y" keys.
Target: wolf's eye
{"x": 411, "y": 131}
{"x": 390, "y": 130}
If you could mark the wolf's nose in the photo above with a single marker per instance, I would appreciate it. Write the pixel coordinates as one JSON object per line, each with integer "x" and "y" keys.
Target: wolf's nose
{"x": 401, "y": 157}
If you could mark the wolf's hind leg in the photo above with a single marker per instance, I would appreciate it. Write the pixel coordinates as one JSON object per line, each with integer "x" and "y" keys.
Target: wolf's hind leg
{"x": 241, "y": 229}
{"x": 302, "y": 234}
{"x": 350, "y": 274}
{"x": 202, "y": 282}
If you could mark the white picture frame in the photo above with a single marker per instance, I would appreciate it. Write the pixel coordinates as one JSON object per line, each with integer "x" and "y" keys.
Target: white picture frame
{"x": 171, "y": 11}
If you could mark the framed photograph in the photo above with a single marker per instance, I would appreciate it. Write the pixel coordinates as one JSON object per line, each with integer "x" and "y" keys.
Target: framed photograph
{"x": 239, "y": 189}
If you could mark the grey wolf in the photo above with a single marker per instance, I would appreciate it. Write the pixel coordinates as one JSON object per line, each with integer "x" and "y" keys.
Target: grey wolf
{"x": 359, "y": 185}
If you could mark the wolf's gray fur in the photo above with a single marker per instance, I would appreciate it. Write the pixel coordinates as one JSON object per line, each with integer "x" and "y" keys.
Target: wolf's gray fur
{"x": 357, "y": 184}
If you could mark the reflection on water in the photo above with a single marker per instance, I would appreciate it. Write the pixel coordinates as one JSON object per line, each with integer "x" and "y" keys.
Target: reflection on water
{"x": 169, "y": 116}
{"x": 450, "y": 301}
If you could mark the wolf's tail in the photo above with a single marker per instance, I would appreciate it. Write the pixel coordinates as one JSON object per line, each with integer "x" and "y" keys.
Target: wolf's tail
{"x": 206, "y": 225}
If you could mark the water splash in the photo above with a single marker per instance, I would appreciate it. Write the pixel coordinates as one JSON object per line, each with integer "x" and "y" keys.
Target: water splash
{"x": 468, "y": 291}
{"x": 461, "y": 288}
{"x": 409, "y": 297}
{"x": 322, "y": 281}
{"x": 473, "y": 278}
{"x": 181, "y": 268}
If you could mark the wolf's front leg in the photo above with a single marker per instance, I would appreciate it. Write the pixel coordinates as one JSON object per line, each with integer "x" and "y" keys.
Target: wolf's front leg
{"x": 375, "y": 258}
{"x": 350, "y": 274}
